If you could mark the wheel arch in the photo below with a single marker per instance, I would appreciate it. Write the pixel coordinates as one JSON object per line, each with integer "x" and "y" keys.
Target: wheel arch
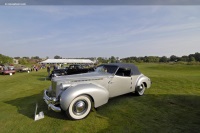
{"x": 145, "y": 84}
{"x": 143, "y": 79}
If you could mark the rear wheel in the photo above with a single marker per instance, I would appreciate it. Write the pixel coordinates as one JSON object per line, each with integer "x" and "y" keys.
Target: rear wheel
{"x": 140, "y": 89}
{"x": 79, "y": 108}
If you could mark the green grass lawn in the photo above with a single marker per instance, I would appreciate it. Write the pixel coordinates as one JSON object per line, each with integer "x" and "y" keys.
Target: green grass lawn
{"x": 171, "y": 105}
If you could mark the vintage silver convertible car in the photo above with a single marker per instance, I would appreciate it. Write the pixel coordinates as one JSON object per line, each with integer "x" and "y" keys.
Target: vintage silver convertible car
{"x": 76, "y": 94}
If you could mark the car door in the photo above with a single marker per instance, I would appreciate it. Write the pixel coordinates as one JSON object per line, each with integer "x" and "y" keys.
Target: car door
{"x": 121, "y": 83}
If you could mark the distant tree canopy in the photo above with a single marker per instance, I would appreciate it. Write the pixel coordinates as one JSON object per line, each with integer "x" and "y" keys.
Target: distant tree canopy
{"x": 112, "y": 59}
{"x": 5, "y": 59}
{"x": 172, "y": 58}
{"x": 23, "y": 61}
{"x": 26, "y": 57}
{"x": 26, "y": 60}
{"x": 163, "y": 59}
{"x": 17, "y": 57}
{"x": 57, "y": 57}
{"x": 35, "y": 57}
{"x": 154, "y": 59}
{"x": 102, "y": 60}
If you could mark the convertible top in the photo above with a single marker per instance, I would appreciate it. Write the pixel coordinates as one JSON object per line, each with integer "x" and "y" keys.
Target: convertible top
{"x": 134, "y": 69}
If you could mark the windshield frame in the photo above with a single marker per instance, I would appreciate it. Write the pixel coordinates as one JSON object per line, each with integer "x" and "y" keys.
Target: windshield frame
{"x": 110, "y": 69}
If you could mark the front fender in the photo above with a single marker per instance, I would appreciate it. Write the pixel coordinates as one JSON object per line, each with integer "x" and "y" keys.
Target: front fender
{"x": 99, "y": 94}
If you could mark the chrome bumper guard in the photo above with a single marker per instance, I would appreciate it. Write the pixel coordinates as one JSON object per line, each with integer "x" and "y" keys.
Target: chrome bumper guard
{"x": 49, "y": 101}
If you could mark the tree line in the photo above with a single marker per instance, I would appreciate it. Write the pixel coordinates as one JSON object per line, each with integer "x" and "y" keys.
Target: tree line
{"x": 5, "y": 59}
{"x": 155, "y": 59}
{"x": 22, "y": 60}
{"x": 151, "y": 59}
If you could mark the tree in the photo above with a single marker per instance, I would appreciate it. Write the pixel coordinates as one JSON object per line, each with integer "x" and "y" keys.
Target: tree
{"x": 5, "y": 59}
{"x": 23, "y": 61}
{"x": 191, "y": 59}
{"x": 57, "y": 57}
{"x": 185, "y": 58}
{"x": 163, "y": 59}
{"x": 17, "y": 57}
{"x": 145, "y": 59}
{"x": 140, "y": 59}
{"x": 102, "y": 60}
{"x": 25, "y": 57}
{"x": 112, "y": 59}
{"x": 173, "y": 58}
{"x": 35, "y": 57}
{"x": 197, "y": 56}
{"x": 152, "y": 59}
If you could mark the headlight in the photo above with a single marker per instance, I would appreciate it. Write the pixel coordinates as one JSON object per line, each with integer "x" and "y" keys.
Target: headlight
{"x": 61, "y": 86}
{"x": 54, "y": 99}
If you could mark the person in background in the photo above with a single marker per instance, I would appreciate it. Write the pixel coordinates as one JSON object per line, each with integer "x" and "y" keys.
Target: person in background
{"x": 54, "y": 67}
{"x": 48, "y": 70}
{"x": 36, "y": 68}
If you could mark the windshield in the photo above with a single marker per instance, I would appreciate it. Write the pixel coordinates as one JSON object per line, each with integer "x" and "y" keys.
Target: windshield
{"x": 6, "y": 68}
{"x": 106, "y": 69}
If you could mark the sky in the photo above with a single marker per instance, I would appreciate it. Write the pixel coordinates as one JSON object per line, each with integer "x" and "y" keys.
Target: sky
{"x": 99, "y": 31}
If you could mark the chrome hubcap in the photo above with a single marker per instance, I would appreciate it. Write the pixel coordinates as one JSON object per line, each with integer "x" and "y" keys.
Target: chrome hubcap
{"x": 80, "y": 107}
{"x": 141, "y": 87}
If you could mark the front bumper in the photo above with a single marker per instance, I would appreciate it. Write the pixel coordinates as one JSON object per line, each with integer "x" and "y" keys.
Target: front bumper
{"x": 50, "y": 102}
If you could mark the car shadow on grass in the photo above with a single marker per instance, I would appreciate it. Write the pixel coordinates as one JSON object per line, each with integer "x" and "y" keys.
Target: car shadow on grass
{"x": 27, "y": 105}
{"x": 130, "y": 113}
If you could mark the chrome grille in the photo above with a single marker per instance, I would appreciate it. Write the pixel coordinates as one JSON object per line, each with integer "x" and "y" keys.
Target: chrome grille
{"x": 53, "y": 86}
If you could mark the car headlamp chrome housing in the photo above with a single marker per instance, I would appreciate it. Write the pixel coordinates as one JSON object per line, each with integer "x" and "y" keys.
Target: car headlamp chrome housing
{"x": 64, "y": 86}
{"x": 54, "y": 99}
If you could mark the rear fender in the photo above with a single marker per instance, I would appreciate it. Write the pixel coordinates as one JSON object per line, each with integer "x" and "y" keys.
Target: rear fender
{"x": 145, "y": 80}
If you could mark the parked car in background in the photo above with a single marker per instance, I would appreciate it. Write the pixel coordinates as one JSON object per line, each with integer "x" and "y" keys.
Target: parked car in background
{"x": 7, "y": 70}
{"x": 77, "y": 94}
{"x": 77, "y": 68}
{"x": 58, "y": 72}
{"x": 22, "y": 69}
{"x": 72, "y": 69}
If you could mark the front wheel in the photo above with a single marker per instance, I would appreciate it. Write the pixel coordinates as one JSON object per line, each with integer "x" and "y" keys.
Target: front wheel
{"x": 140, "y": 89}
{"x": 79, "y": 108}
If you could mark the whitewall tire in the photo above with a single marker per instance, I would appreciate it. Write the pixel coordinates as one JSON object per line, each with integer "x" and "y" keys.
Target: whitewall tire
{"x": 79, "y": 108}
{"x": 140, "y": 89}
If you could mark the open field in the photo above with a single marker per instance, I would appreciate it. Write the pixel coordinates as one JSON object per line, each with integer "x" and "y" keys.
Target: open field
{"x": 171, "y": 105}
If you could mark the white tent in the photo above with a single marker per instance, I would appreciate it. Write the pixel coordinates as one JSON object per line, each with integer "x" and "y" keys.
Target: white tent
{"x": 67, "y": 61}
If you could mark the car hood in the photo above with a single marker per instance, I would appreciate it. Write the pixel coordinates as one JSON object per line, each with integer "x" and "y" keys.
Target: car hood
{"x": 82, "y": 77}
